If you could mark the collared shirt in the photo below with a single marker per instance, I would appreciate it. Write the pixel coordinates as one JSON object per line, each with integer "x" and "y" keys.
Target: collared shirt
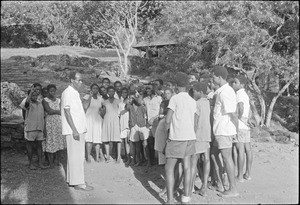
{"x": 152, "y": 106}
{"x": 137, "y": 117}
{"x": 35, "y": 117}
{"x": 225, "y": 104}
{"x": 182, "y": 122}
{"x": 242, "y": 96}
{"x": 70, "y": 98}
{"x": 203, "y": 131}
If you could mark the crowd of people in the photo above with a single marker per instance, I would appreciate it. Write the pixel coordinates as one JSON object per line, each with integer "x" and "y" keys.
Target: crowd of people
{"x": 192, "y": 127}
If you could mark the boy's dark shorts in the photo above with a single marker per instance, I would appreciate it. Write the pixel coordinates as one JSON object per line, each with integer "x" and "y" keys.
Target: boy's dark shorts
{"x": 180, "y": 149}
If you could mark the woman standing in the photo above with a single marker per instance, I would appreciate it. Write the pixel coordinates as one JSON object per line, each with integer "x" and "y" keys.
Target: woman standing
{"x": 111, "y": 124}
{"x": 54, "y": 139}
{"x": 92, "y": 104}
{"x": 161, "y": 134}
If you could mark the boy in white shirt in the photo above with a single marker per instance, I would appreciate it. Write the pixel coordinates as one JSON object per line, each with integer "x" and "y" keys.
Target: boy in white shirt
{"x": 225, "y": 125}
{"x": 242, "y": 142}
{"x": 181, "y": 142}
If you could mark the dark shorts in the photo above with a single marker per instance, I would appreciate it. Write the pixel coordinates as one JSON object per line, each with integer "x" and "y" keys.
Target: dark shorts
{"x": 180, "y": 149}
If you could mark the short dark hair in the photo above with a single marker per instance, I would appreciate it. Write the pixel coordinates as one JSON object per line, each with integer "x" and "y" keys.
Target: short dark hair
{"x": 161, "y": 82}
{"x": 124, "y": 88}
{"x": 200, "y": 87}
{"x": 94, "y": 84}
{"x": 105, "y": 79}
{"x": 243, "y": 80}
{"x": 117, "y": 82}
{"x": 220, "y": 71}
{"x": 72, "y": 75}
{"x": 182, "y": 79}
{"x": 110, "y": 87}
{"x": 51, "y": 86}
{"x": 36, "y": 85}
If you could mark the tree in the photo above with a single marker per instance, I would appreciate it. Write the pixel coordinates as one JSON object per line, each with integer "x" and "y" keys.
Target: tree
{"x": 118, "y": 20}
{"x": 52, "y": 17}
{"x": 262, "y": 37}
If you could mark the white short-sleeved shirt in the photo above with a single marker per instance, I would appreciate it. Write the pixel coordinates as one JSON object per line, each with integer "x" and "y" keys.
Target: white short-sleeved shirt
{"x": 242, "y": 96}
{"x": 225, "y": 104}
{"x": 153, "y": 106}
{"x": 182, "y": 122}
{"x": 70, "y": 99}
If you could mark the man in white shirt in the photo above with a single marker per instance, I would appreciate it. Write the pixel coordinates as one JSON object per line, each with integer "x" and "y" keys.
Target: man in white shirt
{"x": 152, "y": 103}
{"x": 225, "y": 124}
{"x": 242, "y": 142}
{"x": 74, "y": 129}
{"x": 181, "y": 142}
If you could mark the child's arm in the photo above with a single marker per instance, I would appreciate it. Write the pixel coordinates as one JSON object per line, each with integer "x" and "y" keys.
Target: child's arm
{"x": 168, "y": 118}
{"x": 48, "y": 109}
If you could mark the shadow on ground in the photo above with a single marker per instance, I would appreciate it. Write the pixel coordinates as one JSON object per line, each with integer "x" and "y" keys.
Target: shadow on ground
{"x": 19, "y": 184}
{"x": 149, "y": 177}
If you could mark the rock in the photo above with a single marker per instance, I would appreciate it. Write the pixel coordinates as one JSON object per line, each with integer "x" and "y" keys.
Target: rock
{"x": 11, "y": 97}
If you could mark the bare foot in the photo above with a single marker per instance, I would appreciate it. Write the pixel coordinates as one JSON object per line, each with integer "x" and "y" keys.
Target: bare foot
{"x": 162, "y": 192}
{"x": 118, "y": 160}
{"x": 220, "y": 188}
{"x": 32, "y": 167}
{"x": 241, "y": 180}
{"x": 228, "y": 193}
{"x": 247, "y": 177}
{"x": 201, "y": 192}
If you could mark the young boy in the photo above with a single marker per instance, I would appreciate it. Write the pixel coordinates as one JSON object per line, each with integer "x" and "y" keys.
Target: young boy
{"x": 138, "y": 130}
{"x": 181, "y": 143}
{"x": 242, "y": 141}
{"x": 34, "y": 127}
{"x": 203, "y": 135}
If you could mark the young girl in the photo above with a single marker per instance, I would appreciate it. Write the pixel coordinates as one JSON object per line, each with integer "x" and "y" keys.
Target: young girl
{"x": 55, "y": 142}
{"x": 124, "y": 120}
{"x": 92, "y": 104}
{"x": 111, "y": 124}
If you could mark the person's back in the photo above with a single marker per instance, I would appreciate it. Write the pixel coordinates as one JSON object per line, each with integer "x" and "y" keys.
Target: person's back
{"x": 182, "y": 122}
{"x": 203, "y": 131}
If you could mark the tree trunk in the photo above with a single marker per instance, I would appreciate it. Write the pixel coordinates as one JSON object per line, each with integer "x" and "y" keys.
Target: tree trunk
{"x": 271, "y": 107}
{"x": 125, "y": 65}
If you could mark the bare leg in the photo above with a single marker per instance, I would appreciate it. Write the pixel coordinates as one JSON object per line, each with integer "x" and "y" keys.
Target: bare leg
{"x": 50, "y": 157}
{"x": 118, "y": 152}
{"x": 106, "y": 145}
{"x": 240, "y": 160}
{"x": 170, "y": 181}
{"x": 97, "y": 149}
{"x": 249, "y": 158}
{"x": 137, "y": 158}
{"x": 58, "y": 157}
{"x": 147, "y": 152}
{"x": 235, "y": 156}
{"x": 194, "y": 162}
{"x": 218, "y": 169}
{"x": 29, "y": 146}
{"x": 40, "y": 154}
{"x": 228, "y": 163}
{"x": 101, "y": 155}
{"x": 88, "y": 146}
{"x": 206, "y": 169}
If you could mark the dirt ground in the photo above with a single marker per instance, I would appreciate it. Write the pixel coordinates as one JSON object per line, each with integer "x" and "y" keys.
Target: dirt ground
{"x": 275, "y": 179}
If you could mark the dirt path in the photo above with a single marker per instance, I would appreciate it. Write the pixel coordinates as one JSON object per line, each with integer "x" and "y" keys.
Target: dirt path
{"x": 275, "y": 179}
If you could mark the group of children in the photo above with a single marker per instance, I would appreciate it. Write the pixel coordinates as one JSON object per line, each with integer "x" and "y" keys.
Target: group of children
{"x": 186, "y": 126}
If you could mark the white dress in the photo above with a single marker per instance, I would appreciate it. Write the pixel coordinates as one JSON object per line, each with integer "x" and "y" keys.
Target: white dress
{"x": 94, "y": 121}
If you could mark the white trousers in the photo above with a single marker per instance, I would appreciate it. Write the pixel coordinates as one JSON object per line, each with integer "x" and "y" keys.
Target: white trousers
{"x": 75, "y": 163}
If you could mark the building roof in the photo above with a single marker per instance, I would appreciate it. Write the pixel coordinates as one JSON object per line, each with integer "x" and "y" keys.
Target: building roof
{"x": 161, "y": 40}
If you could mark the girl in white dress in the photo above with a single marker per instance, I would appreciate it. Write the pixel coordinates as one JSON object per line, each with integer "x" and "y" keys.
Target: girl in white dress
{"x": 93, "y": 106}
